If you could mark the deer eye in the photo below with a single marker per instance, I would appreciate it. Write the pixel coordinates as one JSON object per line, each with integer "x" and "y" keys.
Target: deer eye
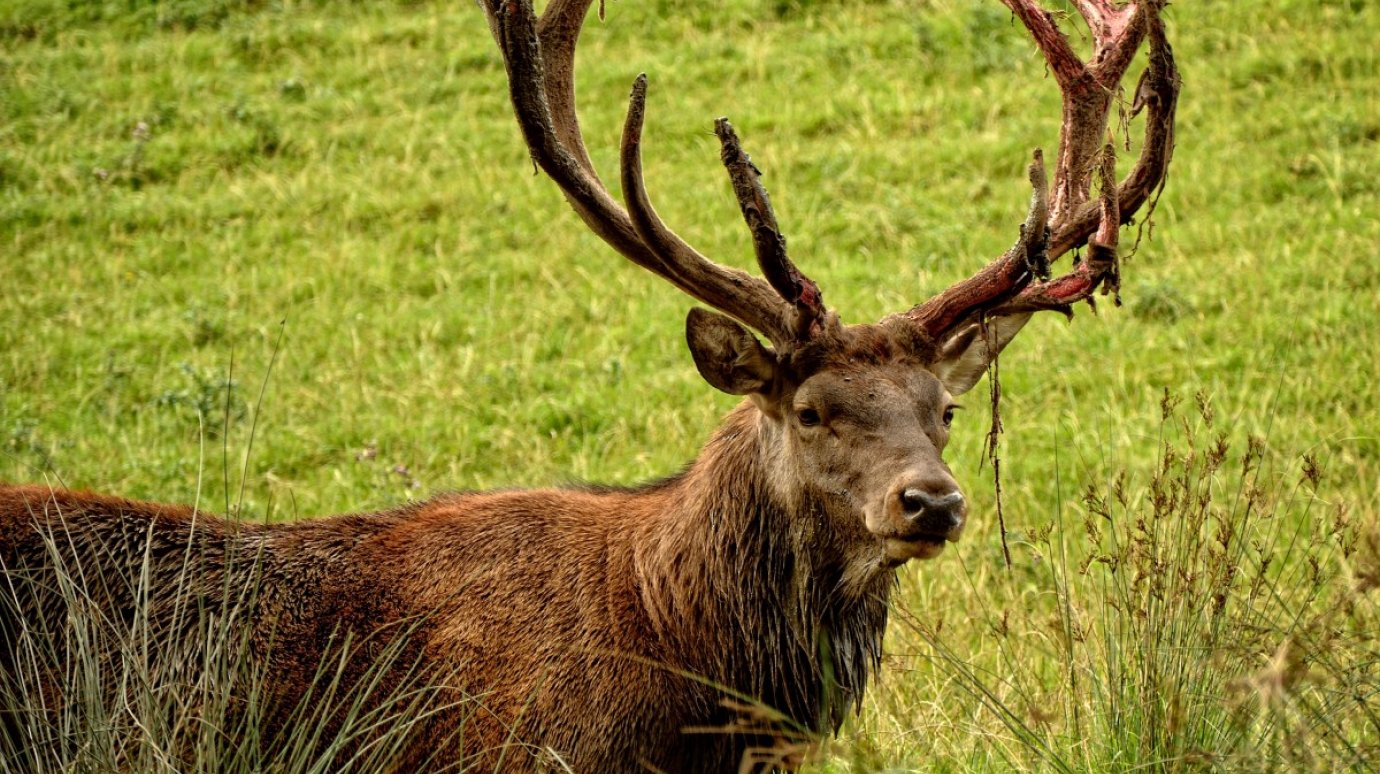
{"x": 807, "y": 417}
{"x": 949, "y": 415}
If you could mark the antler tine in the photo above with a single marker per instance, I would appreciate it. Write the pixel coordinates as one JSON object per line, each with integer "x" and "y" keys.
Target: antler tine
{"x": 737, "y": 293}
{"x": 559, "y": 152}
{"x": 1001, "y": 279}
{"x": 1063, "y": 62}
{"x": 767, "y": 238}
{"x": 1098, "y": 268}
{"x": 1158, "y": 95}
{"x": 559, "y": 33}
{"x": 540, "y": 59}
{"x": 1088, "y": 90}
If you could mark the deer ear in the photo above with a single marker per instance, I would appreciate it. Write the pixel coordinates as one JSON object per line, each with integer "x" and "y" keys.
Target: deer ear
{"x": 967, "y": 352}
{"x": 727, "y": 355}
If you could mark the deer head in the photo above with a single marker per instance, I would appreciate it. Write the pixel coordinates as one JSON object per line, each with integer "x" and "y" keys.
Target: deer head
{"x": 855, "y": 418}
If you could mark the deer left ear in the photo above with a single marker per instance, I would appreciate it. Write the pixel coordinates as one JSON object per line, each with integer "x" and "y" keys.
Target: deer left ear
{"x": 727, "y": 355}
{"x": 967, "y": 352}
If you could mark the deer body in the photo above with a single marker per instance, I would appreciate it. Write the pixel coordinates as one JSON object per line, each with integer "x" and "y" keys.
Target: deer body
{"x": 586, "y": 614}
{"x": 681, "y": 626}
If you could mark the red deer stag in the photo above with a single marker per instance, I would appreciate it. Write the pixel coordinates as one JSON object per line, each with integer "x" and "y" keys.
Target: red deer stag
{"x": 606, "y": 627}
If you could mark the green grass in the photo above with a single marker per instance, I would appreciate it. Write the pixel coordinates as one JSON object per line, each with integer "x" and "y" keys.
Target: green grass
{"x": 189, "y": 188}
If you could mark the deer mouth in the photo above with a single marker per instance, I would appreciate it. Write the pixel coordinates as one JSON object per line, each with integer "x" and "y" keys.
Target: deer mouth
{"x": 899, "y": 550}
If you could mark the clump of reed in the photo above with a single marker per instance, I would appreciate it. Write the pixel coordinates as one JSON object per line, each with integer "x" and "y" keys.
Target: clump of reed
{"x": 1220, "y": 613}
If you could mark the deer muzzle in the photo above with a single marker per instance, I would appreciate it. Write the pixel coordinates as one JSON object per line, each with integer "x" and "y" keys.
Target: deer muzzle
{"x": 919, "y": 517}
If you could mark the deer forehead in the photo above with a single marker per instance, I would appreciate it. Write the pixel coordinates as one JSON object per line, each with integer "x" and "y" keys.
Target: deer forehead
{"x": 876, "y": 393}
{"x": 866, "y": 367}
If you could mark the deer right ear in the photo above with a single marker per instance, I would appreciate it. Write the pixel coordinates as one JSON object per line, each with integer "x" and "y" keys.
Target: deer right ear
{"x": 727, "y": 355}
{"x": 966, "y": 354}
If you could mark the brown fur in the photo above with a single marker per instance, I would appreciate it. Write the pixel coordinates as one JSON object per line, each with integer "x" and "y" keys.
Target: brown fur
{"x": 606, "y": 625}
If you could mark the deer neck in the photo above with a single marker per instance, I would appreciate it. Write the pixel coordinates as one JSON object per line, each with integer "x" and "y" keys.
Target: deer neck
{"x": 734, "y": 576}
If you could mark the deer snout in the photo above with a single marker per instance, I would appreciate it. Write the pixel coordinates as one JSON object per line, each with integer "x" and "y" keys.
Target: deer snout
{"x": 927, "y": 514}
{"x": 918, "y": 516}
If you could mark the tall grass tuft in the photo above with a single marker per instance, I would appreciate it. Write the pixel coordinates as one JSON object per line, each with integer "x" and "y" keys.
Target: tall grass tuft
{"x": 1220, "y": 615}
{"x": 161, "y": 674}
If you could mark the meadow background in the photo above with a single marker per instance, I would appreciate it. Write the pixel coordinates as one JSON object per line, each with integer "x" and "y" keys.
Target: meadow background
{"x": 290, "y": 258}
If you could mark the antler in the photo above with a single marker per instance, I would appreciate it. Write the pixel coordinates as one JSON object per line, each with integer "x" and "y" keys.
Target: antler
{"x": 540, "y": 55}
{"x": 1065, "y": 218}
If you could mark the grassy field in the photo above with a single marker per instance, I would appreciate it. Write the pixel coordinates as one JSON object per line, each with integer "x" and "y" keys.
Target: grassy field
{"x": 324, "y": 211}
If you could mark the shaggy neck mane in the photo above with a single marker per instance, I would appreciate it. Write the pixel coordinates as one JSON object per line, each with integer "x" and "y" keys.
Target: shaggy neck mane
{"x": 736, "y": 579}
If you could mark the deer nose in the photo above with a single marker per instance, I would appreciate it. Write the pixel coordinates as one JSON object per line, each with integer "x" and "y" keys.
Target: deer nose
{"x": 931, "y": 514}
